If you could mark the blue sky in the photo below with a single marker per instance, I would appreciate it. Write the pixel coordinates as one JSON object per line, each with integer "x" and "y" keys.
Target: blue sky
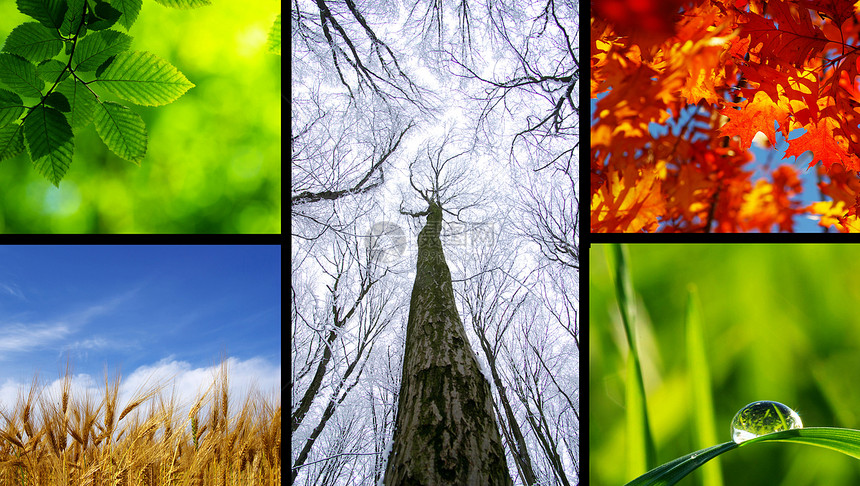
{"x": 157, "y": 314}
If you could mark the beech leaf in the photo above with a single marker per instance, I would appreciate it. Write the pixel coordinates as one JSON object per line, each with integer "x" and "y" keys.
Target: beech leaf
{"x": 33, "y": 41}
{"x": 129, "y": 10}
{"x": 11, "y": 141}
{"x": 144, "y": 78}
{"x": 49, "y": 138}
{"x": 81, "y": 102}
{"x": 49, "y": 12}
{"x": 11, "y": 107}
{"x": 19, "y": 75}
{"x": 122, "y": 130}
{"x": 97, "y": 47}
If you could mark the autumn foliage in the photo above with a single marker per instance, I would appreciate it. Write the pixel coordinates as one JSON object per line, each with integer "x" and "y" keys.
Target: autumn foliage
{"x": 716, "y": 73}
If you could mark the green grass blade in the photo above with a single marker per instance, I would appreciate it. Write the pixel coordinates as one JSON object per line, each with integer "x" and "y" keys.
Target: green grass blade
{"x": 640, "y": 443}
{"x": 672, "y": 472}
{"x": 846, "y": 441}
{"x": 700, "y": 381}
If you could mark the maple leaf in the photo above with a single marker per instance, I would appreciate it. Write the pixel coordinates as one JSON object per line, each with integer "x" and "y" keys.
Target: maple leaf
{"x": 834, "y": 214}
{"x": 794, "y": 41}
{"x": 691, "y": 186}
{"x": 628, "y": 202}
{"x": 819, "y": 140}
{"x": 837, "y": 10}
{"x": 769, "y": 204}
{"x": 755, "y": 116}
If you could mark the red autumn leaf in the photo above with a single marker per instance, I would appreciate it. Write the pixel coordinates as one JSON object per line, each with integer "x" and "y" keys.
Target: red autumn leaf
{"x": 819, "y": 140}
{"x": 837, "y": 10}
{"x": 753, "y": 117}
{"x": 792, "y": 41}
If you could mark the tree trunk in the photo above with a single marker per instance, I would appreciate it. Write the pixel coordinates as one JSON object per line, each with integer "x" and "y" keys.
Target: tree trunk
{"x": 445, "y": 431}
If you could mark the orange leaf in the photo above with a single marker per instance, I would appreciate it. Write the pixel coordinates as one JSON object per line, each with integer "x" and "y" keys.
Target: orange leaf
{"x": 628, "y": 202}
{"x": 835, "y": 214}
{"x": 819, "y": 140}
{"x": 756, "y": 116}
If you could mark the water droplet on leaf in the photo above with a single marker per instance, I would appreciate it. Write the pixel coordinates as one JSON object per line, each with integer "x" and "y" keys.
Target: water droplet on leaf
{"x": 763, "y": 417}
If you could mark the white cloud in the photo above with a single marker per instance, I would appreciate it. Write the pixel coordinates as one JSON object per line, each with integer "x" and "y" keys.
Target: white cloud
{"x": 13, "y": 290}
{"x": 25, "y": 337}
{"x": 21, "y": 337}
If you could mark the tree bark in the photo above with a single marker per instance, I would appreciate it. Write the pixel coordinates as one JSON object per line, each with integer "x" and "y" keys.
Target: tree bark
{"x": 445, "y": 431}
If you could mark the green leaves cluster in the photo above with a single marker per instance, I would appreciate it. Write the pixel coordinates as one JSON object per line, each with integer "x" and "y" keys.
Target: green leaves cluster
{"x": 54, "y": 68}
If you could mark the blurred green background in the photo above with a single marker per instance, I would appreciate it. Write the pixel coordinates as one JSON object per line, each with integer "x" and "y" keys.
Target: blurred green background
{"x": 213, "y": 162}
{"x": 780, "y": 323}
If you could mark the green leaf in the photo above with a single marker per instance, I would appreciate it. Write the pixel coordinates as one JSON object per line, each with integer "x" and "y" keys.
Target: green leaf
{"x": 102, "y": 16}
{"x": 275, "y": 37}
{"x": 122, "y": 130}
{"x": 33, "y": 41}
{"x": 11, "y": 107}
{"x": 673, "y": 471}
{"x": 81, "y": 101}
{"x": 52, "y": 70}
{"x": 49, "y": 137}
{"x": 73, "y": 19}
{"x": 640, "y": 442}
{"x": 846, "y": 441}
{"x": 19, "y": 75}
{"x": 49, "y": 12}
{"x": 91, "y": 52}
{"x": 129, "y": 10}
{"x": 11, "y": 141}
{"x": 104, "y": 66}
{"x": 59, "y": 101}
{"x": 184, "y": 3}
{"x": 144, "y": 78}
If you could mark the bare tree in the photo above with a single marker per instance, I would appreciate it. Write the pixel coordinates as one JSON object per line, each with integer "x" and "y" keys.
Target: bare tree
{"x": 336, "y": 342}
{"x": 541, "y": 81}
{"x": 550, "y": 214}
{"x": 443, "y": 180}
{"x": 537, "y": 89}
{"x": 521, "y": 322}
{"x": 549, "y": 404}
{"x": 340, "y": 149}
{"x": 361, "y": 124}
{"x": 446, "y": 431}
{"x": 353, "y": 107}
{"x": 361, "y": 58}
{"x": 490, "y": 314}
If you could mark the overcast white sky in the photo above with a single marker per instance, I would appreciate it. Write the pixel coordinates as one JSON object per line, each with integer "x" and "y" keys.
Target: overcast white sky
{"x": 157, "y": 314}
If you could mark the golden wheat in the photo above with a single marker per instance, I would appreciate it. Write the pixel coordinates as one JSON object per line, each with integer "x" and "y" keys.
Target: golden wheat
{"x": 142, "y": 447}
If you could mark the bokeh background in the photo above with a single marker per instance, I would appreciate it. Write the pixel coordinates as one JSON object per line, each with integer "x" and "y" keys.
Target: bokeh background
{"x": 780, "y": 323}
{"x": 213, "y": 162}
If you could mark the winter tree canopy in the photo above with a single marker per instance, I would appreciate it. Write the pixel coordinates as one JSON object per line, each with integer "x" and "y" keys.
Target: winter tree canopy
{"x": 435, "y": 242}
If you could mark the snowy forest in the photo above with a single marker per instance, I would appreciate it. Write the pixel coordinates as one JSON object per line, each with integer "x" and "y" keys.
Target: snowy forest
{"x": 435, "y": 242}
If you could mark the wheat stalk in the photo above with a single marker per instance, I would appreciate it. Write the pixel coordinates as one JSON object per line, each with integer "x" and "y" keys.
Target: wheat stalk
{"x": 151, "y": 448}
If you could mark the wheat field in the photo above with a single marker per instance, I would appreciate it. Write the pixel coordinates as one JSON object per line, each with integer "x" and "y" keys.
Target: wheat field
{"x": 81, "y": 440}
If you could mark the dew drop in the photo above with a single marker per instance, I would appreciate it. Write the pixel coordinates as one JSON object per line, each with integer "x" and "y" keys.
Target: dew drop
{"x": 763, "y": 417}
